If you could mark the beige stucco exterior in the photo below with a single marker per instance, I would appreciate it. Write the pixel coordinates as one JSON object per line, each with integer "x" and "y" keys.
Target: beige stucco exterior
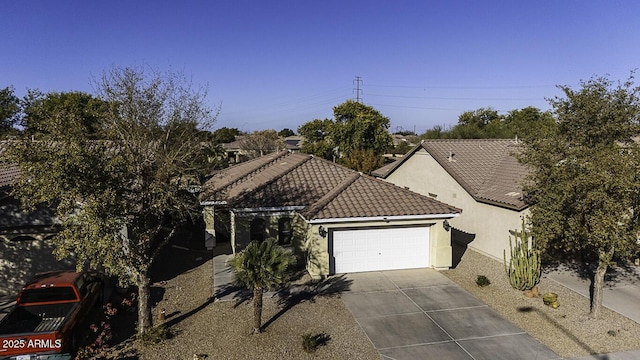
{"x": 312, "y": 248}
{"x": 318, "y": 252}
{"x": 489, "y": 223}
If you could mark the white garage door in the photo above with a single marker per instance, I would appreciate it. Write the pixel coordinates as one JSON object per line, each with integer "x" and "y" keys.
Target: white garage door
{"x": 380, "y": 249}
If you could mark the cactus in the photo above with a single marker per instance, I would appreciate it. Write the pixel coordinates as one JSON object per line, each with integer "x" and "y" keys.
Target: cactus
{"x": 524, "y": 268}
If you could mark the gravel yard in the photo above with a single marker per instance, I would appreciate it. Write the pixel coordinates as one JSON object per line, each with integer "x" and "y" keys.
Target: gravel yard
{"x": 222, "y": 330}
{"x": 567, "y": 330}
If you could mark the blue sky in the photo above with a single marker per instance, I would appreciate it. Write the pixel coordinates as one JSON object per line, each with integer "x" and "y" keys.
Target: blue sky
{"x": 277, "y": 64}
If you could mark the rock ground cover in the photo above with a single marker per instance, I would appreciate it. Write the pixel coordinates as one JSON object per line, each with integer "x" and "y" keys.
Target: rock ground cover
{"x": 568, "y": 330}
{"x": 222, "y": 330}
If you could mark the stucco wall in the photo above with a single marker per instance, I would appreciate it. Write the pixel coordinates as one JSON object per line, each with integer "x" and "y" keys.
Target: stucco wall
{"x": 22, "y": 259}
{"x": 490, "y": 224}
{"x": 318, "y": 261}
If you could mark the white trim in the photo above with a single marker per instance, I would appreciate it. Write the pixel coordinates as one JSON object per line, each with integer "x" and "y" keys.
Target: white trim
{"x": 212, "y": 203}
{"x": 268, "y": 209}
{"x": 384, "y": 218}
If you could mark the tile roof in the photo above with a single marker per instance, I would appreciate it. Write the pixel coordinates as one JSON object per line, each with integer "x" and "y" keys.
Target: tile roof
{"x": 324, "y": 190}
{"x": 8, "y": 173}
{"x": 486, "y": 168}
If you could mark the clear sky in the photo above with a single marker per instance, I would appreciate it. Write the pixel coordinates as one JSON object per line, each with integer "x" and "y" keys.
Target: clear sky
{"x": 278, "y": 64}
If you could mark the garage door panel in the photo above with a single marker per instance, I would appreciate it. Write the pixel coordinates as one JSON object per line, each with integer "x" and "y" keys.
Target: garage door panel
{"x": 380, "y": 249}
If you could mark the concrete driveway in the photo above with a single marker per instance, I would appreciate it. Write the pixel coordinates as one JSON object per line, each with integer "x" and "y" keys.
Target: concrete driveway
{"x": 421, "y": 314}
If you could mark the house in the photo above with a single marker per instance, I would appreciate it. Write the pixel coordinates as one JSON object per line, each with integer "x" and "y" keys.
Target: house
{"x": 481, "y": 176}
{"x": 335, "y": 219}
{"x": 25, "y": 238}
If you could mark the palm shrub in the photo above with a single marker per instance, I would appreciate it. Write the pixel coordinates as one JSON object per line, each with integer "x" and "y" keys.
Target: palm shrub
{"x": 261, "y": 265}
{"x": 524, "y": 269}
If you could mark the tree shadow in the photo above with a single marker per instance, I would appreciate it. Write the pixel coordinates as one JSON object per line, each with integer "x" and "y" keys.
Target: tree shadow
{"x": 626, "y": 273}
{"x": 177, "y": 319}
{"x": 185, "y": 251}
{"x": 294, "y": 294}
{"x": 583, "y": 345}
{"x": 240, "y": 293}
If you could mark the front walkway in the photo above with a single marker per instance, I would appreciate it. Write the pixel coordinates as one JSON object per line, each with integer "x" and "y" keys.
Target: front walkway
{"x": 621, "y": 291}
{"x": 421, "y": 314}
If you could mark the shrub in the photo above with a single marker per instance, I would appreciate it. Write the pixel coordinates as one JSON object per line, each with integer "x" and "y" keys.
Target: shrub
{"x": 155, "y": 335}
{"x": 482, "y": 281}
{"x": 310, "y": 342}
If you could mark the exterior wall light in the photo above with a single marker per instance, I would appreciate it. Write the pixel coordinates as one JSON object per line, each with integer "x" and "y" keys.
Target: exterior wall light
{"x": 322, "y": 231}
{"x": 446, "y": 225}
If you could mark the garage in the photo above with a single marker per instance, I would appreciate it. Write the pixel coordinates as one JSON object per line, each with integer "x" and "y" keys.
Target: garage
{"x": 375, "y": 249}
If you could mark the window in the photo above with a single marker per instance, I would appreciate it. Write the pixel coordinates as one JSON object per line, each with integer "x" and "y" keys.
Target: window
{"x": 285, "y": 231}
{"x": 257, "y": 229}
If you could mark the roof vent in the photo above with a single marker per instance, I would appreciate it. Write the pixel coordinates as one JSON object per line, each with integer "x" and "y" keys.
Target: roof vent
{"x": 451, "y": 155}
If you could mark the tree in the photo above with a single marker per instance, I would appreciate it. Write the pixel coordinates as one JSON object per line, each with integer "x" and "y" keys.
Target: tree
{"x": 286, "y": 132}
{"x": 261, "y": 265}
{"x": 529, "y": 122}
{"x": 9, "y": 110}
{"x": 121, "y": 198}
{"x": 225, "y": 135}
{"x": 360, "y": 127}
{"x": 585, "y": 183}
{"x": 67, "y": 110}
{"x": 317, "y": 138}
{"x": 261, "y": 142}
{"x": 355, "y": 129}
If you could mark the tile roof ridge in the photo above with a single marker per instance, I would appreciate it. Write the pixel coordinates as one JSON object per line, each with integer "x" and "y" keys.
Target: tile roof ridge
{"x": 413, "y": 193}
{"x": 240, "y": 177}
{"x": 227, "y": 180}
{"x": 330, "y": 195}
{"x": 273, "y": 179}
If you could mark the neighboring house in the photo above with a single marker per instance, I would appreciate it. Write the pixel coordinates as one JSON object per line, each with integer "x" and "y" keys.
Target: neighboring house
{"x": 25, "y": 245}
{"x": 336, "y": 219}
{"x": 483, "y": 177}
{"x": 293, "y": 143}
{"x": 236, "y": 153}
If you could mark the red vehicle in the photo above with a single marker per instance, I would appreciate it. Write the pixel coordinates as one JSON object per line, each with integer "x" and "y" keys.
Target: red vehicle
{"x": 44, "y": 322}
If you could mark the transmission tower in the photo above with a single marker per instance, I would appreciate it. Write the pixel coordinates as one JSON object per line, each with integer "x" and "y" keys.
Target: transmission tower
{"x": 357, "y": 81}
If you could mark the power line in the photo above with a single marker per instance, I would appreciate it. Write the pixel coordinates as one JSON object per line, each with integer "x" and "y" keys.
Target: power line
{"x": 464, "y": 87}
{"x": 450, "y": 98}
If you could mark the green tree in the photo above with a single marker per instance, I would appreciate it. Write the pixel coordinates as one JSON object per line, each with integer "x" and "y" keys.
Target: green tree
{"x": 479, "y": 124}
{"x": 355, "y": 129}
{"x": 286, "y": 132}
{"x": 9, "y": 111}
{"x": 363, "y": 160}
{"x": 225, "y": 135}
{"x": 56, "y": 112}
{"x": 362, "y": 127}
{"x": 317, "y": 139}
{"x": 121, "y": 198}
{"x": 261, "y": 265}
{"x": 585, "y": 184}
{"x": 530, "y": 123}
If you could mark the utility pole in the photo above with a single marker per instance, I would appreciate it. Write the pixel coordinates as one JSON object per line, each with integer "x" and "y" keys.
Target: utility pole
{"x": 357, "y": 81}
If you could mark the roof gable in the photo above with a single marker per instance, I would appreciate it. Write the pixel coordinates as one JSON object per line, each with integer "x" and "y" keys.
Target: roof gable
{"x": 486, "y": 168}
{"x": 322, "y": 189}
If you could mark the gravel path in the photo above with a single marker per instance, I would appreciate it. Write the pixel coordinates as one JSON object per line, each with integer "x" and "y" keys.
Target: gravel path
{"x": 567, "y": 330}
